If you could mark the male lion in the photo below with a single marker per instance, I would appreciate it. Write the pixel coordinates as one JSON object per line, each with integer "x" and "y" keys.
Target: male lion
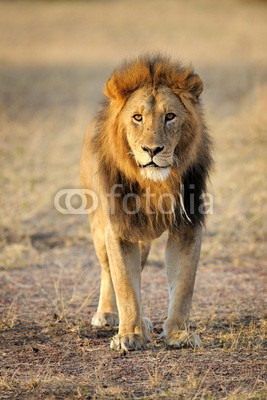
{"x": 146, "y": 156}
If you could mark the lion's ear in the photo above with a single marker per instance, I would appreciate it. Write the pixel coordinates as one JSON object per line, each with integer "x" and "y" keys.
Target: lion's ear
{"x": 194, "y": 86}
{"x": 110, "y": 89}
{"x": 115, "y": 90}
{"x": 189, "y": 85}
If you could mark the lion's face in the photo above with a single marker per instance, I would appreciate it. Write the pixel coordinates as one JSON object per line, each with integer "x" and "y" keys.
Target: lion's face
{"x": 152, "y": 121}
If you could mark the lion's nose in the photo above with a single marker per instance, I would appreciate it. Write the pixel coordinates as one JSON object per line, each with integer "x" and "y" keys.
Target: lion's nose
{"x": 153, "y": 151}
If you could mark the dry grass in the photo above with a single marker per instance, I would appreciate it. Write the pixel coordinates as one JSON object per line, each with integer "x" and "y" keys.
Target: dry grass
{"x": 55, "y": 57}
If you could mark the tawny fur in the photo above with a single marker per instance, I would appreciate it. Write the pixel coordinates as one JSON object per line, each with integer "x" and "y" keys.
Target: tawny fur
{"x": 108, "y": 159}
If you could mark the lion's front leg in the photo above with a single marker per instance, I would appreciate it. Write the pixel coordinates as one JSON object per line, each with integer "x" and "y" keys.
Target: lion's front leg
{"x": 125, "y": 267}
{"x": 182, "y": 255}
{"x": 106, "y": 314}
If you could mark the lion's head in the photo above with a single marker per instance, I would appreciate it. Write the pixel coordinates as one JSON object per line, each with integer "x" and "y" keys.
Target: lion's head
{"x": 150, "y": 133}
{"x": 154, "y": 118}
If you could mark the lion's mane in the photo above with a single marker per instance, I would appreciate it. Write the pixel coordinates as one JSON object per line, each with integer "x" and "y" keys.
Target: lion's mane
{"x": 116, "y": 166}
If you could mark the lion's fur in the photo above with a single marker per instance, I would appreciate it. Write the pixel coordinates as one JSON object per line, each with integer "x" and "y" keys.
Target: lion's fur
{"x": 117, "y": 151}
{"x": 116, "y": 166}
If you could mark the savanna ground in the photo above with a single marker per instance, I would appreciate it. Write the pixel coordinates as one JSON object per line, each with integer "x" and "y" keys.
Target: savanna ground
{"x": 55, "y": 57}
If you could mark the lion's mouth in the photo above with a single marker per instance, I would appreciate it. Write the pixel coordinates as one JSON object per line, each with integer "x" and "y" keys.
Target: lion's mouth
{"x": 151, "y": 164}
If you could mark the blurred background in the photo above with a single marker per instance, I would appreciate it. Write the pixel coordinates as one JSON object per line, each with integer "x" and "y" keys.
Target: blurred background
{"x": 55, "y": 57}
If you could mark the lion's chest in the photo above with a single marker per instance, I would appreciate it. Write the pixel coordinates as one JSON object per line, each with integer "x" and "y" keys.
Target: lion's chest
{"x": 138, "y": 218}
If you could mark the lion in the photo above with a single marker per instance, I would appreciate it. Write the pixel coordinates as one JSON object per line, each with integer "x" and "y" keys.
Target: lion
{"x": 146, "y": 154}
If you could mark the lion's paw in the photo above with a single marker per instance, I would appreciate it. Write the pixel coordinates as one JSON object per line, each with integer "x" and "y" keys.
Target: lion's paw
{"x": 183, "y": 339}
{"x": 105, "y": 319}
{"x": 128, "y": 342}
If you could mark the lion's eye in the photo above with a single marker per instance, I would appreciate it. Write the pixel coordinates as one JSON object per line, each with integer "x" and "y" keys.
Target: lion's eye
{"x": 138, "y": 117}
{"x": 170, "y": 116}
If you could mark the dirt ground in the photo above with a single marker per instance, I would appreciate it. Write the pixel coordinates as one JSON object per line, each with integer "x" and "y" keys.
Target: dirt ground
{"x": 55, "y": 57}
